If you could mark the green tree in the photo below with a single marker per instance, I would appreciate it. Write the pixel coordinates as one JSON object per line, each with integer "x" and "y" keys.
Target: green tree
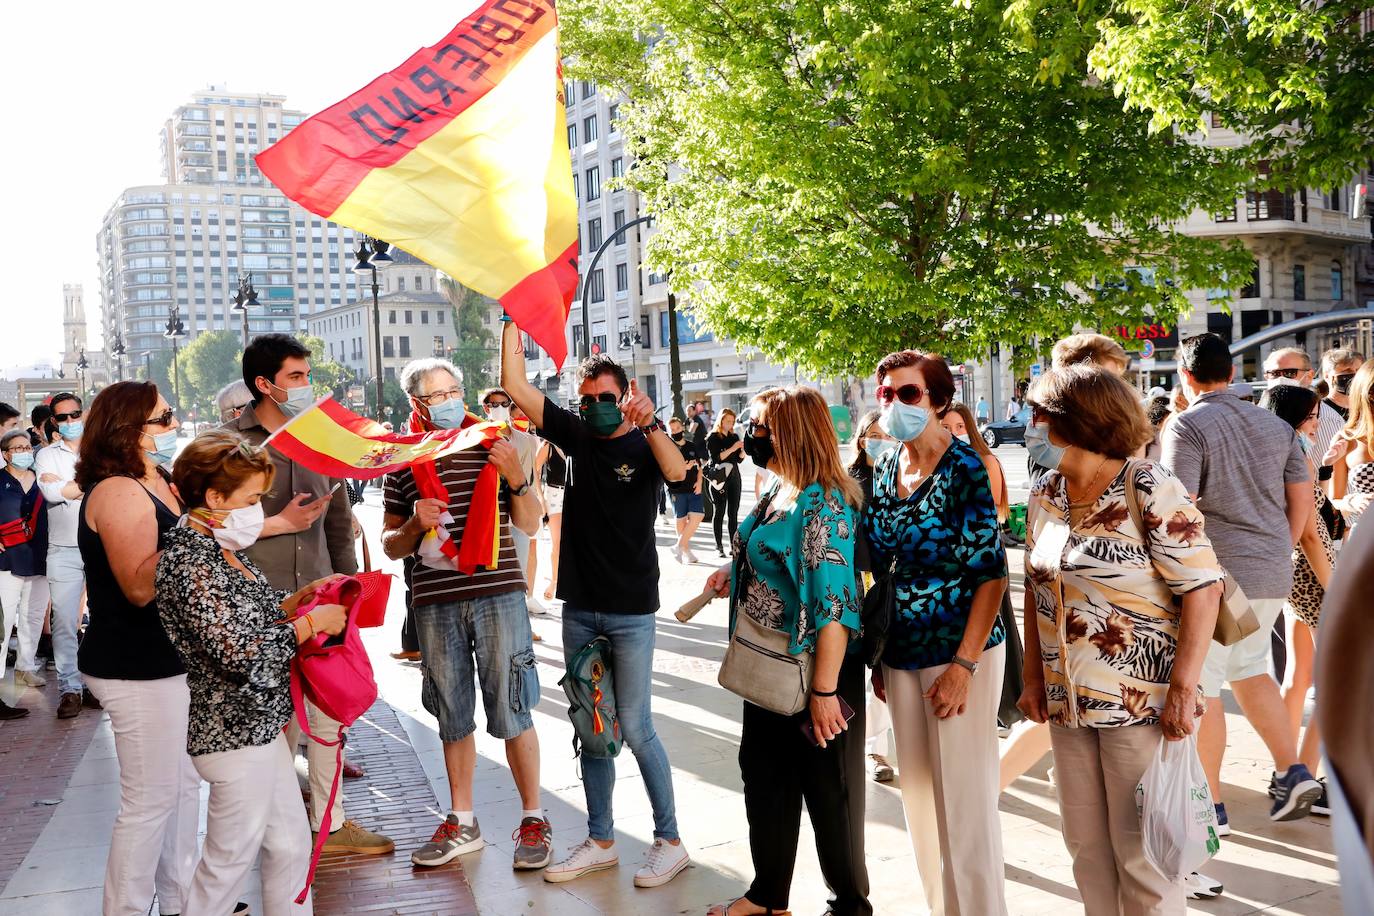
{"x": 836, "y": 180}
{"x": 327, "y": 376}
{"x": 476, "y": 350}
{"x": 182, "y": 395}
{"x": 211, "y": 361}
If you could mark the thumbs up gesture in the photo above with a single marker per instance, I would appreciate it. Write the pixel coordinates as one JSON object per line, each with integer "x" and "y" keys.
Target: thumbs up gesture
{"x": 637, "y": 408}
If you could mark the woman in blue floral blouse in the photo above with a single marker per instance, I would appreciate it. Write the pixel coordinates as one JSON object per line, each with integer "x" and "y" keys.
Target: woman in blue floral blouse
{"x": 933, "y": 514}
{"x": 794, "y": 572}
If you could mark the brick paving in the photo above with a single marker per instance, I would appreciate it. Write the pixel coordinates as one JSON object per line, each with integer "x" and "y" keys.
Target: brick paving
{"x": 38, "y": 755}
{"x": 393, "y": 798}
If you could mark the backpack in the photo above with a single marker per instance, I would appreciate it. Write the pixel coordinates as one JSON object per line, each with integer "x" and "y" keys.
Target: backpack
{"x": 591, "y": 700}
{"x": 335, "y": 675}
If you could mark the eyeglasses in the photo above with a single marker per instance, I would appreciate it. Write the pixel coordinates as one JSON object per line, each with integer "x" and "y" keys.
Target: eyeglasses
{"x": 163, "y": 419}
{"x": 440, "y": 397}
{"x": 1285, "y": 373}
{"x": 755, "y": 428}
{"x": 907, "y": 394}
{"x": 64, "y": 417}
{"x": 604, "y": 397}
{"x": 19, "y": 448}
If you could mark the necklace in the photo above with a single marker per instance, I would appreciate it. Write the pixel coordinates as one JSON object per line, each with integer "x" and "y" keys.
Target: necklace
{"x": 1092, "y": 484}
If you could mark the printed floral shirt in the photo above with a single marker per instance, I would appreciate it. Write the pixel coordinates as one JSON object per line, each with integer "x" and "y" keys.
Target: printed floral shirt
{"x": 794, "y": 567}
{"x": 1104, "y": 596}
{"x": 237, "y": 658}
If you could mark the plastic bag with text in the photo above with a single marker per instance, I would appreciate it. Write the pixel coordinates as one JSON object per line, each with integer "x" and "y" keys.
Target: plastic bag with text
{"x": 1177, "y": 820}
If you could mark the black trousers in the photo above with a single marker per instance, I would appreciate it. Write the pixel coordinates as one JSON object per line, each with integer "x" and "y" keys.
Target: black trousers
{"x": 410, "y": 639}
{"x": 781, "y": 769}
{"x": 726, "y": 501}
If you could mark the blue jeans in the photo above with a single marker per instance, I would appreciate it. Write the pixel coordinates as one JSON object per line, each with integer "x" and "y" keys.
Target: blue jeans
{"x": 66, "y": 581}
{"x": 632, "y": 661}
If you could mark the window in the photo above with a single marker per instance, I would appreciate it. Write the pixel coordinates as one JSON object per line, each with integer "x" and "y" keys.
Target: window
{"x": 391, "y": 317}
{"x": 588, "y": 89}
{"x": 1251, "y": 290}
{"x": 594, "y": 183}
{"x": 424, "y": 317}
{"x": 1337, "y": 282}
{"x": 410, "y": 319}
{"x": 419, "y": 283}
{"x": 405, "y": 346}
{"x": 613, "y": 115}
{"x": 589, "y": 129}
{"x": 598, "y": 285}
{"x": 1299, "y": 282}
{"x": 1267, "y": 205}
{"x": 438, "y": 348}
{"x": 1215, "y": 119}
{"x": 1333, "y": 199}
{"x": 572, "y": 136}
{"x": 622, "y": 277}
{"x": 593, "y": 234}
{"x": 618, "y": 221}
{"x": 1225, "y": 216}
{"x": 388, "y": 347}
{"x": 577, "y": 194}
{"x": 400, "y": 284}
{"x": 617, "y": 167}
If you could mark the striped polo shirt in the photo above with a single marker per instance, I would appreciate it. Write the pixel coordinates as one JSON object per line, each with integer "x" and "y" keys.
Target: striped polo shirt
{"x": 458, "y": 473}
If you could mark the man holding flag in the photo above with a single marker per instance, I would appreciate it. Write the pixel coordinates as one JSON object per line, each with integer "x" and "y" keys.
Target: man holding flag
{"x": 470, "y": 620}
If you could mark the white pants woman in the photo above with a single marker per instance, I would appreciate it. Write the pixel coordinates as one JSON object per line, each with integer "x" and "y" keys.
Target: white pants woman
{"x": 23, "y": 600}
{"x": 154, "y": 843}
{"x": 255, "y": 804}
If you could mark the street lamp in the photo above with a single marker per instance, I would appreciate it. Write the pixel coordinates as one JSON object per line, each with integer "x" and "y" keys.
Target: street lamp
{"x": 175, "y": 331}
{"x": 245, "y": 297}
{"x": 117, "y": 350}
{"x": 373, "y": 256}
{"x": 81, "y": 366}
{"x": 587, "y": 280}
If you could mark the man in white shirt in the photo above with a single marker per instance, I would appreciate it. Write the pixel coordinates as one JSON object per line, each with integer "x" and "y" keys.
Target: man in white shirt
{"x": 56, "y": 470}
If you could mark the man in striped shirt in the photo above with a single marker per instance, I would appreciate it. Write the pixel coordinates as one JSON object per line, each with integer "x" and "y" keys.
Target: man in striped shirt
{"x": 470, "y": 624}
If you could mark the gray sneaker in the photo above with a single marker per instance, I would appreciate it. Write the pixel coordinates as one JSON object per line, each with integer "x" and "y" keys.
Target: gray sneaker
{"x": 533, "y": 843}
{"x": 451, "y": 840}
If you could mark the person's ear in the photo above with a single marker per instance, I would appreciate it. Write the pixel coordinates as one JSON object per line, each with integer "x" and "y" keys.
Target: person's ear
{"x": 214, "y": 499}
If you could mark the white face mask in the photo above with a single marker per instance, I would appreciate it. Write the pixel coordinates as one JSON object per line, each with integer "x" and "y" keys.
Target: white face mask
{"x": 499, "y": 414}
{"x": 963, "y": 438}
{"x": 237, "y": 530}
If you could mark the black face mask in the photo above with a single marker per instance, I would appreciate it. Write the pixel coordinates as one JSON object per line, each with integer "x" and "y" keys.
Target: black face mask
{"x": 1341, "y": 383}
{"x": 678, "y": 437}
{"x": 759, "y": 449}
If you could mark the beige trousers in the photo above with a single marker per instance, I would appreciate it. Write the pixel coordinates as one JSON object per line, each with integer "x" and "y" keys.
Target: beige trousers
{"x": 949, "y": 780}
{"x": 1096, "y": 771}
{"x": 321, "y": 760}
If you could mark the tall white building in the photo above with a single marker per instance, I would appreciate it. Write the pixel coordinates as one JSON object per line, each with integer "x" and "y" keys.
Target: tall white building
{"x": 181, "y": 246}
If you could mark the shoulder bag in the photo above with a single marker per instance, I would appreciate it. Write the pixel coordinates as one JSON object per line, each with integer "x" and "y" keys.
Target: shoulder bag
{"x": 876, "y": 614}
{"x": 1235, "y": 618}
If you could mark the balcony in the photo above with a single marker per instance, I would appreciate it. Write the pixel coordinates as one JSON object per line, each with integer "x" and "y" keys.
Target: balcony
{"x": 186, "y": 131}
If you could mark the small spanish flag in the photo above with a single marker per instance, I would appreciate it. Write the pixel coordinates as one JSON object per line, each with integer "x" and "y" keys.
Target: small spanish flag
{"x": 459, "y": 156}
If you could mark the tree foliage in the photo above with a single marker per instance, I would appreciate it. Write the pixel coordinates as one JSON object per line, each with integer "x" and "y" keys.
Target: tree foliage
{"x": 208, "y": 363}
{"x": 327, "y": 376}
{"x": 834, "y": 180}
{"x": 476, "y": 348}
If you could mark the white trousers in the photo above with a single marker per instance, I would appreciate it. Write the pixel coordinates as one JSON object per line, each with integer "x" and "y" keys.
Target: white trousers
{"x": 879, "y": 725}
{"x": 255, "y": 804}
{"x": 949, "y": 773}
{"x": 24, "y": 598}
{"x": 322, "y": 761}
{"x": 154, "y": 841}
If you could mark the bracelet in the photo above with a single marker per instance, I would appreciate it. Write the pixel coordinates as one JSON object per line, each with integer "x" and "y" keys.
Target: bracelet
{"x": 823, "y": 693}
{"x": 310, "y": 621}
{"x": 657, "y": 425}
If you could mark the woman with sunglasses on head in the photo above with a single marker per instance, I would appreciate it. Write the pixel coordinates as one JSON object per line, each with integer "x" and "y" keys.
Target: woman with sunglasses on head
{"x": 933, "y": 512}
{"x": 23, "y": 550}
{"x": 129, "y": 438}
{"x": 793, "y": 572}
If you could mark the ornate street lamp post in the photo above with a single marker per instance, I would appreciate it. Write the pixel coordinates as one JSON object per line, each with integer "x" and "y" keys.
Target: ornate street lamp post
{"x": 373, "y": 256}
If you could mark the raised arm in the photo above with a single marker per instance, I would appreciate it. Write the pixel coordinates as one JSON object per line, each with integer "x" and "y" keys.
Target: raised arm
{"x": 530, "y": 398}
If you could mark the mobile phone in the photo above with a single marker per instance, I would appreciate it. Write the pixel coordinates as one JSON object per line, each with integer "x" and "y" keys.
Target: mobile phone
{"x": 332, "y": 490}
{"x": 808, "y": 728}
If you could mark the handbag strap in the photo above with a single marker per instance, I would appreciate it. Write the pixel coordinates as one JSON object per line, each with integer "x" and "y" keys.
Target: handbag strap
{"x": 326, "y": 820}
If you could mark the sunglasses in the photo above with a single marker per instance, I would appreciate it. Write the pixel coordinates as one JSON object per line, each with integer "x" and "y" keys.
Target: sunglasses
{"x": 907, "y": 394}
{"x": 1285, "y": 373}
{"x": 755, "y": 428}
{"x": 490, "y": 404}
{"x": 163, "y": 419}
{"x": 604, "y": 397}
{"x": 64, "y": 417}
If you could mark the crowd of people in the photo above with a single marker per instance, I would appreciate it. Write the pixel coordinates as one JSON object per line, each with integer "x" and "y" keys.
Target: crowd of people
{"x": 1144, "y": 515}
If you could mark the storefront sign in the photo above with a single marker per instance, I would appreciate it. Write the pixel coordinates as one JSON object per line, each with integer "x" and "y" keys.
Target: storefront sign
{"x": 696, "y": 371}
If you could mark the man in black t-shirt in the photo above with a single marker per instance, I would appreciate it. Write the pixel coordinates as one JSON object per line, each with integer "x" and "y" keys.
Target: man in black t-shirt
{"x": 618, "y": 455}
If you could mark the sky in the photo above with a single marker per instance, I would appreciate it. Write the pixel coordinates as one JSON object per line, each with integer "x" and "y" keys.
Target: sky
{"x": 91, "y": 84}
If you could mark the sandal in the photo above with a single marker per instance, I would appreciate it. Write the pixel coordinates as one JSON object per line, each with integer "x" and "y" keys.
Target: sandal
{"x": 723, "y": 909}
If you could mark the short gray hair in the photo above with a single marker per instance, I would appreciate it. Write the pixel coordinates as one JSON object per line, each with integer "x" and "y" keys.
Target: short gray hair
{"x": 1281, "y": 352}
{"x": 1331, "y": 359}
{"x": 9, "y": 437}
{"x": 416, "y": 370}
{"x": 233, "y": 395}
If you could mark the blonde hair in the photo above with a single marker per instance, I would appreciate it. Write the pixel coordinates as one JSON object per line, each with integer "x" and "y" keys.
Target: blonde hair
{"x": 805, "y": 449}
{"x": 719, "y": 426}
{"x": 1097, "y": 349}
{"x": 1360, "y": 426}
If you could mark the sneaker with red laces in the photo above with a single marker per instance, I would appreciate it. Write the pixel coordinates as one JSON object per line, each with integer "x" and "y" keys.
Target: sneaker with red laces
{"x": 450, "y": 841}
{"x": 533, "y": 843}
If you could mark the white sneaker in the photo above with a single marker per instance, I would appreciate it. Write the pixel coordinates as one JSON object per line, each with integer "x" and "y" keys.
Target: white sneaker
{"x": 29, "y": 678}
{"x": 676, "y": 551}
{"x": 663, "y": 864}
{"x": 689, "y": 556}
{"x": 583, "y": 860}
{"x": 536, "y": 607}
{"x": 1201, "y": 887}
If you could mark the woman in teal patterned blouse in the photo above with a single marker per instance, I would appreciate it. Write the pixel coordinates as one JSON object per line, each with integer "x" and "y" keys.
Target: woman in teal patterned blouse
{"x": 932, "y": 514}
{"x": 794, "y": 572}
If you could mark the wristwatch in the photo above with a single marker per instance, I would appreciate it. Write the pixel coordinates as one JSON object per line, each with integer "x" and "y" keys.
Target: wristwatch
{"x": 656, "y": 425}
{"x": 521, "y": 490}
{"x": 965, "y": 663}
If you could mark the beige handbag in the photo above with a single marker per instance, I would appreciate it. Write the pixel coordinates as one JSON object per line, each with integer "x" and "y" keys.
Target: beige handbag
{"x": 759, "y": 668}
{"x": 1235, "y": 618}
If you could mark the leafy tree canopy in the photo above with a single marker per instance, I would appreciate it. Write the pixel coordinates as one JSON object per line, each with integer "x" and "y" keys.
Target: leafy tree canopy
{"x": 476, "y": 350}
{"x": 834, "y": 180}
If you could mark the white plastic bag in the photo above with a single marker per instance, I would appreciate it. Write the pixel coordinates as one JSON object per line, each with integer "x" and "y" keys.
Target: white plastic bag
{"x": 1177, "y": 819}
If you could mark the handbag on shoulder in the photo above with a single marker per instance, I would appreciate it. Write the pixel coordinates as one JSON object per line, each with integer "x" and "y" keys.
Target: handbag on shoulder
{"x": 876, "y": 614}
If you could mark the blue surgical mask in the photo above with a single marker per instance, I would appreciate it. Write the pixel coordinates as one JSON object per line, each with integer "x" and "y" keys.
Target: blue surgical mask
{"x": 877, "y": 448}
{"x": 448, "y": 415}
{"x": 71, "y": 429}
{"x": 22, "y": 460}
{"x": 1042, "y": 451}
{"x": 298, "y": 400}
{"x": 164, "y": 447}
{"x": 904, "y": 422}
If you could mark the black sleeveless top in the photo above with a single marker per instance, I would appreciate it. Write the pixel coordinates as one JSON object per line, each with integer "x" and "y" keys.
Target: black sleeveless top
{"x": 122, "y": 641}
{"x": 555, "y": 468}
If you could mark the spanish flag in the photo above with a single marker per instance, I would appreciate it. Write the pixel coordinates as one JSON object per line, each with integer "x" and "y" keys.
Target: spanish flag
{"x": 459, "y": 156}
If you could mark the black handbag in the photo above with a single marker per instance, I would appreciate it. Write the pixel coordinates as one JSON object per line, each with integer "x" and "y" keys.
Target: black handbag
{"x": 1013, "y": 680}
{"x": 875, "y": 616}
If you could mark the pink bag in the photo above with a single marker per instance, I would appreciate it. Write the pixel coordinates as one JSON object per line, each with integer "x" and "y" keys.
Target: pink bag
{"x": 334, "y": 674}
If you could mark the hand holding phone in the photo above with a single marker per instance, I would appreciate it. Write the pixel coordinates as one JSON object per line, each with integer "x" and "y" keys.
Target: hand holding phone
{"x": 808, "y": 727}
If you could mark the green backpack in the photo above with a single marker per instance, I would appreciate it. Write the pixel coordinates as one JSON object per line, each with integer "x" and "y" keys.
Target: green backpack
{"x": 591, "y": 700}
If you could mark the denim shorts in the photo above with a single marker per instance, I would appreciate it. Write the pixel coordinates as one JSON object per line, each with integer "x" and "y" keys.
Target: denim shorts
{"x": 685, "y": 504}
{"x": 491, "y": 634}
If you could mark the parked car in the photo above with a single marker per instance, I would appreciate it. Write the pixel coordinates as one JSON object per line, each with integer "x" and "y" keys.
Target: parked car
{"x": 1008, "y": 431}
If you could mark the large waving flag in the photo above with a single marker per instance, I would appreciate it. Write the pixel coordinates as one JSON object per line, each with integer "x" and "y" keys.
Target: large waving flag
{"x": 459, "y": 156}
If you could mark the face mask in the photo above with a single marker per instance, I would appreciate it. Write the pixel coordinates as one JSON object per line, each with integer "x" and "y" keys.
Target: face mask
{"x": 1305, "y": 444}
{"x": 237, "y": 529}
{"x": 1041, "y": 450}
{"x": 164, "y": 447}
{"x": 603, "y": 417}
{"x": 877, "y": 448}
{"x": 964, "y": 438}
{"x": 22, "y": 460}
{"x": 298, "y": 400}
{"x": 499, "y": 414}
{"x": 1284, "y": 380}
{"x": 759, "y": 449}
{"x": 904, "y": 422}
{"x": 1341, "y": 383}
{"x": 71, "y": 429}
{"x": 678, "y": 437}
{"x": 448, "y": 415}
